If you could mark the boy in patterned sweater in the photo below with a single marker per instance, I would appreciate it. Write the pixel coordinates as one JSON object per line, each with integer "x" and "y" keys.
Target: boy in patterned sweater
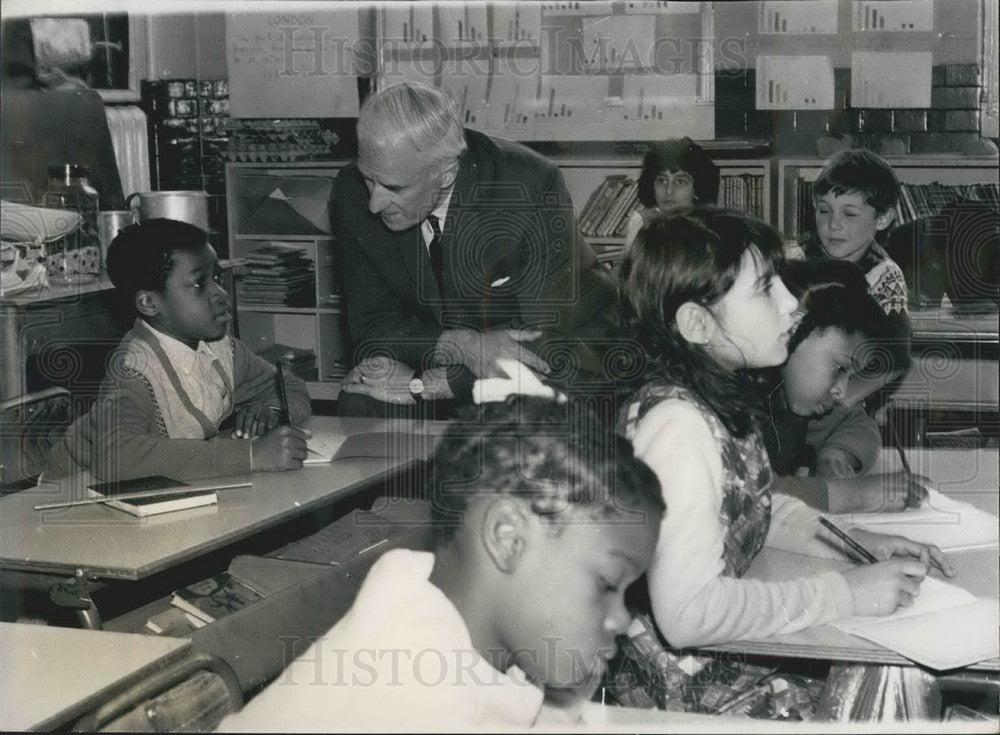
{"x": 855, "y": 199}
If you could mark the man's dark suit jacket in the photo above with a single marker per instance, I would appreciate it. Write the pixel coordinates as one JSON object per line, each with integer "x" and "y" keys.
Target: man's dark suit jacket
{"x": 512, "y": 258}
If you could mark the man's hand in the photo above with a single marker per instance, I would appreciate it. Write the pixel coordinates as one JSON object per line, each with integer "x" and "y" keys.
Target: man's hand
{"x": 382, "y": 378}
{"x": 479, "y": 351}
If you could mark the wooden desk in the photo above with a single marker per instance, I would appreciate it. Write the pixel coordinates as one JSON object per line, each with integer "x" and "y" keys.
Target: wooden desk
{"x": 969, "y": 475}
{"x": 51, "y": 676}
{"x": 106, "y": 543}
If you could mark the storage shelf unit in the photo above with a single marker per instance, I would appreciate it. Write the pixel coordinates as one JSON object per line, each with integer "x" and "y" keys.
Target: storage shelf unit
{"x": 584, "y": 175}
{"x": 947, "y": 170}
{"x": 287, "y": 205}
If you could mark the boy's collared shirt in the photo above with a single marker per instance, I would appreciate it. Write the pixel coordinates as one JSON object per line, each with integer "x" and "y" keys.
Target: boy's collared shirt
{"x": 400, "y": 659}
{"x": 200, "y": 375}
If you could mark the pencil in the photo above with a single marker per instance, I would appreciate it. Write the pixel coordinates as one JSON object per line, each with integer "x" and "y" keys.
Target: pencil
{"x": 851, "y": 543}
{"x": 143, "y": 494}
{"x": 284, "y": 417}
{"x": 899, "y": 447}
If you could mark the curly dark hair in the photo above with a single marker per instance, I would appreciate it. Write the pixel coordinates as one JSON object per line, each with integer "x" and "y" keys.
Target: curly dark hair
{"x": 693, "y": 256}
{"x": 832, "y": 293}
{"x": 141, "y": 256}
{"x": 678, "y": 154}
{"x": 558, "y": 457}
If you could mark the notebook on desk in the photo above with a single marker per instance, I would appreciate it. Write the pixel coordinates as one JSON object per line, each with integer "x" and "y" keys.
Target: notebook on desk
{"x": 324, "y": 447}
{"x": 160, "y": 495}
{"x": 945, "y": 628}
{"x": 952, "y": 525}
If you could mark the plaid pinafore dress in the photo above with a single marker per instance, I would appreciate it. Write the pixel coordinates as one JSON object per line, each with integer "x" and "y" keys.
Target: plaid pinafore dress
{"x": 648, "y": 672}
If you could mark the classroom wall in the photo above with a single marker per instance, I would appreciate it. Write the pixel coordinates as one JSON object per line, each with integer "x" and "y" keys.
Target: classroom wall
{"x": 953, "y": 123}
{"x": 193, "y": 45}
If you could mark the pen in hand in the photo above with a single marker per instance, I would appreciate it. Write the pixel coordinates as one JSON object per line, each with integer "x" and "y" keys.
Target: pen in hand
{"x": 284, "y": 417}
{"x": 861, "y": 551}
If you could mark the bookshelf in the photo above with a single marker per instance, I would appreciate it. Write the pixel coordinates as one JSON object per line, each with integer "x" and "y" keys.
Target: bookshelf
{"x": 738, "y": 177}
{"x": 795, "y": 212}
{"x": 280, "y": 235}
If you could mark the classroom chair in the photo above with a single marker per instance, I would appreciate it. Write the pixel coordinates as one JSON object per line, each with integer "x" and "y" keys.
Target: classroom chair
{"x": 190, "y": 695}
{"x": 29, "y": 426}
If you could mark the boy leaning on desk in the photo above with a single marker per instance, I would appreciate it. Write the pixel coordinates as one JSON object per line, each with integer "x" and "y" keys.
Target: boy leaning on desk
{"x": 542, "y": 519}
{"x": 177, "y": 376}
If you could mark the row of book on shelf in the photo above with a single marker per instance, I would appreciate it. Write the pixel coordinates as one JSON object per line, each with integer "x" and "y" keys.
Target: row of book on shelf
{"x": 607, "y": 211}
{"x": 915, "y": 201}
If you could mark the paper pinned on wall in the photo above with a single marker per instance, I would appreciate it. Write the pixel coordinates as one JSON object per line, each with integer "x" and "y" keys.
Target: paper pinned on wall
{"x": 294, "y": 64}
{"x": 517, "y": 22}
{"x": 419, "y": 70}
{"x": 892, "y": 15}
{"x": 462, "y": 24}
{"x": 467, "y": 79}
{"x": 663, "y": 105}
{"x": 662, "y": 7}
{"x": 891, "y": 79}
{"x": 793, "y": 16}
{"x": 511, "y": 99}
{"x": 794, "y": 83}
{"x": 619, "y": 41}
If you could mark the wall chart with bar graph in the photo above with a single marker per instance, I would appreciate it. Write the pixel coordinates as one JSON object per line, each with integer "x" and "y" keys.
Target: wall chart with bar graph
{"x": 896, "y": 15}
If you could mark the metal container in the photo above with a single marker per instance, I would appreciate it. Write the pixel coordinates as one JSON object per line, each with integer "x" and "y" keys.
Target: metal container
{"x": 108, "y": 225}
{"x": 186, "y": 206}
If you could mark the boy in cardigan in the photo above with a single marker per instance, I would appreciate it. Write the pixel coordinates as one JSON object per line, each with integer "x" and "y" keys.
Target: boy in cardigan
{"x": 542, "y": 519}
{"x": 177, "y": 376}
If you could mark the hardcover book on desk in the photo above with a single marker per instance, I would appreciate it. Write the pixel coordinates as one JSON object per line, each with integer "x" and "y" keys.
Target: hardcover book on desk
{"x": 153, "y": 495}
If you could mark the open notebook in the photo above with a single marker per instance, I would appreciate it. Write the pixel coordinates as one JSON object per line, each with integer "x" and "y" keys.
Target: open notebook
{"x": 327, "y": 446}
{"x": 945, "y": 628}
{"x": 951, "y": 524}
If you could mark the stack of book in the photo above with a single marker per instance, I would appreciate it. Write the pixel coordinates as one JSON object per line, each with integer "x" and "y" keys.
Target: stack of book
{"x": 300, "y": 361}
{"x": 278, "y": 274}
{"x": 607, "y": 211}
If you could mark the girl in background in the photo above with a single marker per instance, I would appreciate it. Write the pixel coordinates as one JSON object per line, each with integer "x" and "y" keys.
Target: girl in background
{"x": 675, "y": 173}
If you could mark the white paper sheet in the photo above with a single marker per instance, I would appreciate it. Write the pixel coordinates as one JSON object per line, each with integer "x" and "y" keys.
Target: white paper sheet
{"x": 946, "y": 627}
{"x": 945, "y": 639}
{"x": 795, "y": 83}
{"x": 794, "y": 16}
{"x": 951, "y": 524}
{"x": 891, "y": 79}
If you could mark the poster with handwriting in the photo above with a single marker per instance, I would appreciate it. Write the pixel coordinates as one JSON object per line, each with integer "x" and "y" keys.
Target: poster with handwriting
{"x": 294, "y": 64}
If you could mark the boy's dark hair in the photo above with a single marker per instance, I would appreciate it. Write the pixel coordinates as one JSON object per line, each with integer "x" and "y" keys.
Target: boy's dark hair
{"x": 832, "y": 293}
{"x": 694, "y": 256}
{"x": 681, "y": 154}
{"x": 860, "y": 171}
{"x": 557, "y": 457}
{"x": 141, "y": 256}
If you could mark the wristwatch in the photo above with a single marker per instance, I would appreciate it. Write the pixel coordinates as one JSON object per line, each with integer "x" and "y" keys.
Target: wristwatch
{"x": 416, "y": 388}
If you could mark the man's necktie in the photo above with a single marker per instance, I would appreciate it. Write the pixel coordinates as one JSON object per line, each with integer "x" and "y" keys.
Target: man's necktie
{"x": 434, "y": 249}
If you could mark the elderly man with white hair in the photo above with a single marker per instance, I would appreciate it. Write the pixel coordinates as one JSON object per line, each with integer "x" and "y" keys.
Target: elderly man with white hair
{"x": 460, "y": 249}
